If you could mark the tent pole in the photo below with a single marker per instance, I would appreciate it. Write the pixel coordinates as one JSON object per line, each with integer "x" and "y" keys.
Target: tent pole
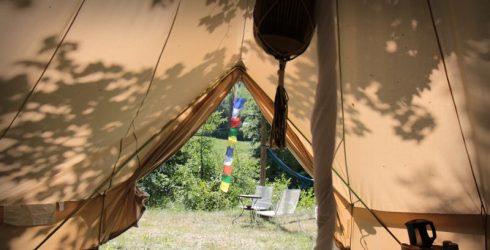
{"x": 201, "y": 170}
{"x": 263, "y": 148}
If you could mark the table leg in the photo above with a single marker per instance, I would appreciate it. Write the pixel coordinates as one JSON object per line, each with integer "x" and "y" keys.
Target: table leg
{"x": 236, "y": 218}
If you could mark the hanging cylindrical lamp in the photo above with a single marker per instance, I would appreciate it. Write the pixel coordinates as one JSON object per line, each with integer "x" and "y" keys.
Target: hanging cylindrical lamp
{"x": 283, "y": 28}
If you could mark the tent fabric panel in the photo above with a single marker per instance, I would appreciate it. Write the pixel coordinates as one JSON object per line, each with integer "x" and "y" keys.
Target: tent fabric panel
{"x": 184, "y": 74}
{"x": 63, "y": 209}
{"x": 340, "y": 177}
{"x": 24, "y": 27}
{"x": 71, "y": 127}
{"x": 401, "y": 126}
{"x": 29, "y": 215}
{"x": 465, "y": 230}
{"x": 344, "y": 220}
{"x": 465, "y": 40}
{"x": 22, "y": 47}
{"x": 122, "y": 206}
{"x": 80, "y": 232}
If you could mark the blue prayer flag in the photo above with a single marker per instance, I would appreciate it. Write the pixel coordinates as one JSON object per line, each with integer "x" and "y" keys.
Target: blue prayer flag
{"x": 229, "y": 151}
{"x": 239, "y": 102}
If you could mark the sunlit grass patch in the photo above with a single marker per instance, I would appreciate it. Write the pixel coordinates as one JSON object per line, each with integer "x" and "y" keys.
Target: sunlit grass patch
{"x": 169, "y": 229}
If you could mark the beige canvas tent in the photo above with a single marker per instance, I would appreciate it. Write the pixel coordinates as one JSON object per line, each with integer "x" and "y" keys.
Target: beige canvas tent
{"x": 96, "y": 94}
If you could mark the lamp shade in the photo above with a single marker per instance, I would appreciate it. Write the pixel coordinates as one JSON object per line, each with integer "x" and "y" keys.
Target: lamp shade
{"x": 284, "y": 28}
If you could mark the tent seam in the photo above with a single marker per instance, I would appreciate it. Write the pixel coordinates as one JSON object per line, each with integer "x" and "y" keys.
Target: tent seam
{"x": 136, "y": 116}
{"x": 342, "y": 97}
{"x": 152, "y": 78}
{"x": 244, "y": 27}
{"x": 439, "y": 46}
{"x": 343, "y": 115}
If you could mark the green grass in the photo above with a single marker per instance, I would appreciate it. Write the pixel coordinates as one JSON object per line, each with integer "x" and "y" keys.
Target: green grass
{"x": 242, "y": 149}
{"x": 169, "y": 229}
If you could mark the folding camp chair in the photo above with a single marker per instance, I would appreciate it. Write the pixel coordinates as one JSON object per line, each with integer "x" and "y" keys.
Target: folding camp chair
{"x": 285, "y": 206}
{"x": 265, "y": 202}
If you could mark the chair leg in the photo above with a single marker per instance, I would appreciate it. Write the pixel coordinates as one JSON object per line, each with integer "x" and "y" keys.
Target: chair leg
{"x": 299, "y": 224}
{"x": 254, "y": 212}
{"x": 251, "y": 217}
{"x": 277, "y": 221}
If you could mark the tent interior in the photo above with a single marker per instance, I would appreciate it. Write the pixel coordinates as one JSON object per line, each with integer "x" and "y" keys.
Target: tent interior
{"x": 388, "y": 107}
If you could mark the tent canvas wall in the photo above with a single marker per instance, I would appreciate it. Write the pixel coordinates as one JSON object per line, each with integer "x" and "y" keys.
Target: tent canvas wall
{"x": 95, "y": 94}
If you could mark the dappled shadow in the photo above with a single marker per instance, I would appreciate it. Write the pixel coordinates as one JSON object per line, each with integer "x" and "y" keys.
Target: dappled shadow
{"x": 63, "y": 124}
{"x": 300, "y": 80}
{"x": 162, "y": 3}
{"x": 224, "y": 12}
{"x": 466, "y": 45}
{"x": 365, "y": 230}
{"x": 386, "y": 65}
{"x": 66, "y": 139}
{"x": 20, "y": 4}
{"x": 457, "y": 197}
{"x": 305, "y": 72}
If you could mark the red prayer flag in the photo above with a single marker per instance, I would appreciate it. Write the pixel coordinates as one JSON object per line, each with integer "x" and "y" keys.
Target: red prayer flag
{"x": 227, "y": 170}
{"x": 235, "y": 122}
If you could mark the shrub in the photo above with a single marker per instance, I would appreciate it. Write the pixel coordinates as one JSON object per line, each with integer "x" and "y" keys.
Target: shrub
{"x": 307, "y": 198}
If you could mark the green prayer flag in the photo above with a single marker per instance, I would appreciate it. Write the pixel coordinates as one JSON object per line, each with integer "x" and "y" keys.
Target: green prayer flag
{"x": 226, "y": 178}
{"x": 233, "y": 132}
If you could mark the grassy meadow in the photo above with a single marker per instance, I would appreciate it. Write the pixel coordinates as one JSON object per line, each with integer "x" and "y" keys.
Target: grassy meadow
{"x": 170, "y": 229}
{"x": 242, "y": 148}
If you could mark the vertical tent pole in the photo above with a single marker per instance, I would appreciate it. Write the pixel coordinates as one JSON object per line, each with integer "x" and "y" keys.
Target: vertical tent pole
{"x": 263, "y": 153}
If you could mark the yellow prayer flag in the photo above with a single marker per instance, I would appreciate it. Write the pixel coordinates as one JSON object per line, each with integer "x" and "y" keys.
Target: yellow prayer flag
{"x": 224, "y": 187}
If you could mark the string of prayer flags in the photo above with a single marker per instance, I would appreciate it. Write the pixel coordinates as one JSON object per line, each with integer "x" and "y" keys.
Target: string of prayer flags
{"x": 235, "y": 122}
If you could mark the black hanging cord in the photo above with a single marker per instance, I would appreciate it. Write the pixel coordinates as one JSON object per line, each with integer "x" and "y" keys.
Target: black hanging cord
{"x": 279, "y": 122}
